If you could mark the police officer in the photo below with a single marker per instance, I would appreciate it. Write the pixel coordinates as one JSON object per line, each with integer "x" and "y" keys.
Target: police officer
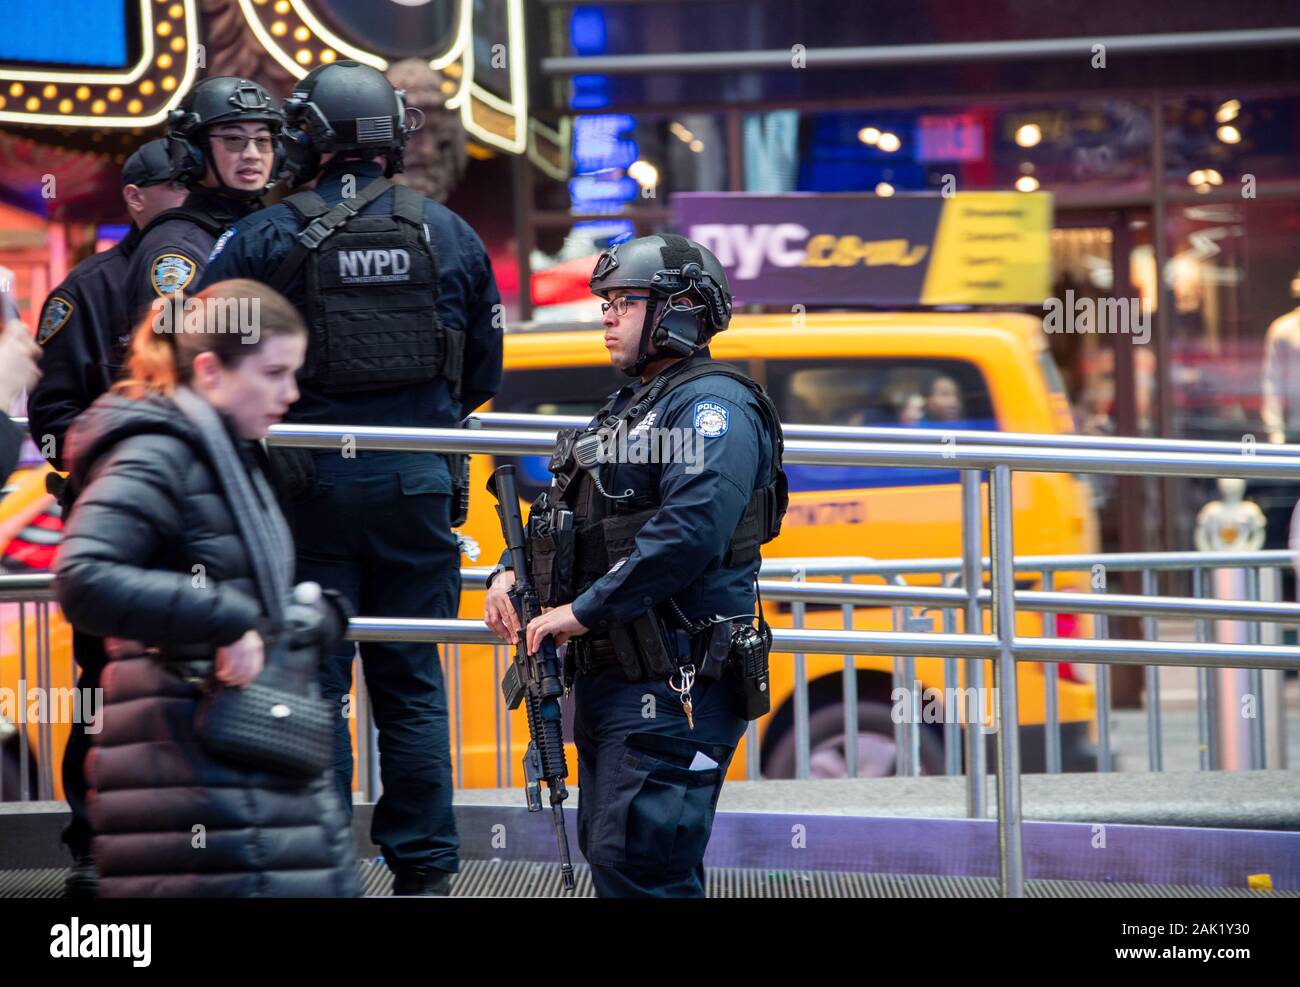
{"x": 224, "y": 146}
{"x": 402, "y": 307}
{"x": 657, "y": 590}
{"x": 85, "y": 325}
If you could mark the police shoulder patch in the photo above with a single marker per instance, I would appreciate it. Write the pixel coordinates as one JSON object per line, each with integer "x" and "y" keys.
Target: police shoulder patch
{"x": 58, "y": 310}
{"x": 221, "y": 242}
{"x": 171, "y": 273}
{"x": 710, "y": 419}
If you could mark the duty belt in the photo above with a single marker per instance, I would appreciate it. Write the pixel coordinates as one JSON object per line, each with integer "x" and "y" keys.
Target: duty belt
{"x": 590, "y": 654}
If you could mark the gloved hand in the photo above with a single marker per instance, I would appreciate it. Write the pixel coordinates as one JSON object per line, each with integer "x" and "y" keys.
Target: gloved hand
{"x": 336, "y": 611}
{"x": 317, "y": 618}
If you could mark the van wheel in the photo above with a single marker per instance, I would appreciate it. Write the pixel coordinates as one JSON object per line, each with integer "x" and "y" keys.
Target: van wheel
{"x": 877, "y": 752}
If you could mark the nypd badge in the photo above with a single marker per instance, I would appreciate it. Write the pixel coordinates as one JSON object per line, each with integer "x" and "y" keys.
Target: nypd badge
{"x": 171, "y": 273}
{"x": 58, "y": 310}
{"x": 710, "y": 419}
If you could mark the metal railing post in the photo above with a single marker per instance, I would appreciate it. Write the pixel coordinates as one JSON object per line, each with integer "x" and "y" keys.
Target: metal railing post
{"x": 1258, "y": 722}
{"x": 1151, "y": 631}
{"x": 44, "y": 729}
{"x": 361, "y": 717}
{"x": 1274, "y": 679}
{"x": 1051, "y": 688}
{"x": 457, "y": 668}
{"x": 1002, "y": 572}
{"x": 1204, "y": 686}
{"x": 973, "y": 581}
{"x": 24, "y": 744}
{"x": 802, "y": 753}
{"x": 953, "y": 717}
{"x": 850, "y": 691}
{"x": 1234, "y": 736}
{"x": 497, "y": 672}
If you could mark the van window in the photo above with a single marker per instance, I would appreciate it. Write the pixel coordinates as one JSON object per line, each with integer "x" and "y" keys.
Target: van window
{"x": 945, "y": 395}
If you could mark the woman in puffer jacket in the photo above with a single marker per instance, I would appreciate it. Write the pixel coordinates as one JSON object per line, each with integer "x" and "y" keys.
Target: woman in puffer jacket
{"x": 177, "y": 554}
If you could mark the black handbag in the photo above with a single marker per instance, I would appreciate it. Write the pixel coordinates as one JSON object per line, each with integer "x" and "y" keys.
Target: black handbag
{"x": 279, "y": 723}
{"x": 268, "y": 728}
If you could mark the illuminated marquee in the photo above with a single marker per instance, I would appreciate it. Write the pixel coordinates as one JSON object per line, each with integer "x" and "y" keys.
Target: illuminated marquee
{"x": 482, "y": 63}
{"x": 298, "y": 40}
{"x": 140, "y": 94}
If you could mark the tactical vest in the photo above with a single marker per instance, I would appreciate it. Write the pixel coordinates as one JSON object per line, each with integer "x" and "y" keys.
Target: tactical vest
{"x": 372, "y": 294}
{"x": 605, "y": 530}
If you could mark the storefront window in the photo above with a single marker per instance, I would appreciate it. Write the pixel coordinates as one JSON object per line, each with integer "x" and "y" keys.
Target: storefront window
{"x": 1231, "y": 141}
{"x": 1088, "y": 143}
{"x": 1235, "y": 326}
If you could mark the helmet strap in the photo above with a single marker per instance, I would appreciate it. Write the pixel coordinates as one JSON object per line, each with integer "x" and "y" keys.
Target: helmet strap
{"x": 647, "y": 330}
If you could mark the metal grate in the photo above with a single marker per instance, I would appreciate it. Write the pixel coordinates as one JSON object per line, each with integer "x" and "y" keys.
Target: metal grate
{"x": 528, "y": 879}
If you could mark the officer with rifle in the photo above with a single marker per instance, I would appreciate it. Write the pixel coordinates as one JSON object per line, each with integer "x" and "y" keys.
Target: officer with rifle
{"x": 647, "y": 570}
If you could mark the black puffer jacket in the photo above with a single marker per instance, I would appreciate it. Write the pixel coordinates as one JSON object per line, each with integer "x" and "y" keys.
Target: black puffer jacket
{"x": 151, "y": 553}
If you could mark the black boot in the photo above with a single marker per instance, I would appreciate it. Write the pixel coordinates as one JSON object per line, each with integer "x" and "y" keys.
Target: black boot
{"x": 423, "y": 882}
{"x": 83, "y": 879}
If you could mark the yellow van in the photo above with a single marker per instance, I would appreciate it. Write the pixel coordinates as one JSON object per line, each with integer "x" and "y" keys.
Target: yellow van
{"x": 931, "y": 370}
{"x": 949, "y": 371}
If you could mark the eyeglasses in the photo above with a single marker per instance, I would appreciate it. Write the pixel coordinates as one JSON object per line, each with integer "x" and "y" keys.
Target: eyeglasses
{"x": 621, "y": 304}
{"x": 235, "y": 143}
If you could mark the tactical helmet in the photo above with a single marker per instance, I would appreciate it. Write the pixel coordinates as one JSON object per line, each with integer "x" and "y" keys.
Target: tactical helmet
{"x": 221, "y": 99}
{"x": 344, "y": 106}
{"x": 690, "y": 300}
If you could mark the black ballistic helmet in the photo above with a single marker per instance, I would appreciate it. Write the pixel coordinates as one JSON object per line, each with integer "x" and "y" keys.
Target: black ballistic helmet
{"x": 220, "y": 99}
{"x": 344, "y": 107}
{"x": 690, "y": 301}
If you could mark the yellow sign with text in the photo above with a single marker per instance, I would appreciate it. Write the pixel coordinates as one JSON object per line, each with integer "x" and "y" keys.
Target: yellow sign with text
{"x": 991, "y": 248}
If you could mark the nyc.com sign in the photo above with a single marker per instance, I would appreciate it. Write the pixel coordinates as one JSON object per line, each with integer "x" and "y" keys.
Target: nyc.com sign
{"x": 978, "y": 248}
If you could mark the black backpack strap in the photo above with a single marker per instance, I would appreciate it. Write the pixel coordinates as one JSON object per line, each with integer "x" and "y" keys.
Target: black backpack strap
{"x": 321, "y": 225}
{"x": 408, "y": 204}
{"x": 307, "y": 204}
{"x": 208, "y": 223}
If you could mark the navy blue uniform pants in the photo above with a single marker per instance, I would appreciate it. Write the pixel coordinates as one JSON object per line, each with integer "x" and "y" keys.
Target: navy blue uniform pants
{"x": 377, "y": 528}
{"x": 644, "y": 813}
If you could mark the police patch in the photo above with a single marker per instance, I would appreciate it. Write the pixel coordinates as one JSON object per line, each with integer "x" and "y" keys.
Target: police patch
{"x": 710, "y": 419}
{"x": 221, "y": 242}
{"x": 57, "y": 312}
{"x": 171, "y": 273}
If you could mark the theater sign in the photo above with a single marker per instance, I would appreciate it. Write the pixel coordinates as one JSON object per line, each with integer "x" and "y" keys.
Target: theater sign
{"x": 126, "y": 63}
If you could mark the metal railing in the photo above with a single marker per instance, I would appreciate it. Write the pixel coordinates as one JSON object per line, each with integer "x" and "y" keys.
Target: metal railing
{"x": 973, "y": 454}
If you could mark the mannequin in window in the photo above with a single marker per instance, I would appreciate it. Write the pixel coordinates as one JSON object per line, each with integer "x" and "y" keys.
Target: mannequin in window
{"x": 1280, "y": 407}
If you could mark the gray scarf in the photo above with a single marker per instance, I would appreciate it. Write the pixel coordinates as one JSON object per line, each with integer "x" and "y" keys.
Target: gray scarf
{"x": 257, "y": 514}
